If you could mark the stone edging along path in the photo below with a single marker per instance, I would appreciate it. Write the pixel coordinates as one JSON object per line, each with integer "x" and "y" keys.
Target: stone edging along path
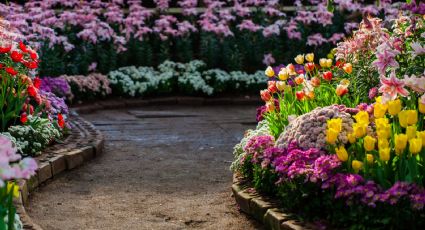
{"x": 86, "y": 142}
{"x": 264, "y": 209}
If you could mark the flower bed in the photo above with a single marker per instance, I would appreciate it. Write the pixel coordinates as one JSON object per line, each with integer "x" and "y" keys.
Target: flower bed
{"x": 341, "y": 142}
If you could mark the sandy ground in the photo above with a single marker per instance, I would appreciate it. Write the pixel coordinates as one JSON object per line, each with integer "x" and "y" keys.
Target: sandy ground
{"x": 163, "y": 168}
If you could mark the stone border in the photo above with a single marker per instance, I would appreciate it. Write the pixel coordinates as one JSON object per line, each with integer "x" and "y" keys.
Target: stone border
{"x": 264, "y": 209}
{"x": 84, "y": 143}
{"x": 191, "y": 101}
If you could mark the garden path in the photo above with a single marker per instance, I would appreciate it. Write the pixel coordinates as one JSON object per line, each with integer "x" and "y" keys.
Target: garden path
{"x": 163, "y": 168}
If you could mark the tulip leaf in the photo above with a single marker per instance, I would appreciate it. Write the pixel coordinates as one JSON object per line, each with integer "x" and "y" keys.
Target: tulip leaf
{"x": 330, "y": 6}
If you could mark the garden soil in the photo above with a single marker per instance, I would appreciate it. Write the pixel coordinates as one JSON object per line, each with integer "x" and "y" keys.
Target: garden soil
{"x": 163, "y": 168}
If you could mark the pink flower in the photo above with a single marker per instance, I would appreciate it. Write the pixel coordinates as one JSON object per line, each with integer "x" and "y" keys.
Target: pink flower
{"x": 418, "y": 49}
{"x": 386, "y": 57}
{"x": 268, "y": 59}
{"x": 392, "y": 87}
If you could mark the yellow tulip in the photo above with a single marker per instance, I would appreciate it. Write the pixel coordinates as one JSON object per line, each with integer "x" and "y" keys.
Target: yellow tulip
{"x": 283, "y": 74}
{"x": 400, "y": 142}
{"x": 309, "y": 57}
{"x": 362, "y": 117}
{"x": 335, "y": 124}
{"x": 348, "y": 68}
{"x": 411, "y": 132}
{"x": 415, "y": 145}
{"x": 330, "y": 56}
{"x": 280, "y": 85}
{"x": 14, "y": 188}
{"x": 379, "y": 110}
{"x": 384, "y": 154}
{"x": 383, "y": 144}
{"x": 421, "y": 134}
{"x": 331, "y": 136}
{"x": 351, "y": 138}
{"x": 329, "y": 63}
{"x": 360, "y": 129}
{"x": 402, "y": 118}
{"x": 369, "y": 143}
{"x": 269, "y": 72}
{"x": 384, "y": 133}
{"x": 421, "y": 107}
{"x": 381, "y": 122}
{"x": 407, "y": 117}
{"x": 394, "y": 107}
{"x": 357, "y": 165}
{"x": 341, "y": 153}
{"x": 299, "y": 59}
{"x": 369, "y": 158}
{"x": 322, "y": 62}
{"x": 378, "y": 99}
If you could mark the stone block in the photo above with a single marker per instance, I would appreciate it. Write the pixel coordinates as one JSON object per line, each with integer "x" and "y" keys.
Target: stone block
{"x": 243, "y": 199}
{"x": 259, "y": 208}
{"x": 274, "y": 218}
{"x": 32, "y": 183}
{"x": 293, "y": 225}
{"x": 58, "y": 164}
{"x": 74, "y": 159}
{"x": 44, "y": 172}
{"x": 87, "y": 152}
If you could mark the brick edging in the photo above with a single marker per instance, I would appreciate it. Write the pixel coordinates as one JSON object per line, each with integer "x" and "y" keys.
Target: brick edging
{"x": 191, "y": 101}
{"x": 264, "y": 209}
{"x": 83, "y": 144}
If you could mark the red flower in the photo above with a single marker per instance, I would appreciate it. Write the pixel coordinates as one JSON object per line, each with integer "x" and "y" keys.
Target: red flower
{"x": 37, "y": 82}
{"x": 32, "y": 91}
{"x": 265, "y": 95}
{"x": 33, "y": 55}
{"x": 327, "y": 75}
{"x": 4, "y": 50}
{"x": 300, "y": 95}
{"x": 339, "y": 64}
{"x": 61, "y": 121}
{"x": 309, "y": 67}
{"x": 24, "y": 118}
{"x": 11, "y": 71}
{"x": 31, "y": 65}
{"x": 272, "y": 86}
{"x": 16, "y": 56}
{"x": 1, "y": 66}
{"x": 23, "y": 47}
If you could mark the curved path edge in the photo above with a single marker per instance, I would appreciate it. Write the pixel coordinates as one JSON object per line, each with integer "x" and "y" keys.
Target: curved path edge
{"x": 83, "y": 144}
{"x": 264, "y": 209}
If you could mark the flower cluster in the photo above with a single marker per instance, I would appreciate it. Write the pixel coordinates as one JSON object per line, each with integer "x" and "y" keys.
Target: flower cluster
{"x": 57, "y": 85}
{"x": 92, "y": 85}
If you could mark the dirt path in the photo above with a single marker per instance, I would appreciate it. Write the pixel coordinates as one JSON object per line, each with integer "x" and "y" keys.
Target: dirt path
{"x": 164, "y": 168}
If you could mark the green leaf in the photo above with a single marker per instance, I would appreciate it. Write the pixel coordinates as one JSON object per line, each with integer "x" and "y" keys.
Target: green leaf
{"x": 331, "y": 6}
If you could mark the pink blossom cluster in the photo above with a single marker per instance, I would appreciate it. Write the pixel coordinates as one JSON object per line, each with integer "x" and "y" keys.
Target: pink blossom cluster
{"x": 92, "y": 84}
{"x": 11, "y": 165}
{"x": 118, "y": 21}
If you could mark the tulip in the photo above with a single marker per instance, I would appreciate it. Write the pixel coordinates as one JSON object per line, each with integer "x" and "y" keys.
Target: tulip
{"x": 5, "y": 49}
{"x": 351, "y": 138}
{"x": 411, "y": 132}
{"x": 24, "y": 118}
{"x": 331, "y": 136}
{"x": 362, "y": 117}
{"x": 415, "y": 145}
{"x": 408, "y": 117}
{"x": 269, "y": 72}
{"x": 300, "y": 79}
{"x": 327, "y": 75}
{"x": 384, "y": 154}
{"x": 345, "y": 82}
{"x": 400, "y": 142}
{"x": 341, "y": 90}
{"x": 394, "y": 107}
{"x": 281, "y": 85}
{"x": 357, "y": 165}
{"x": 341, "y": 153}
{"x": 359, "y": 129}
{"x": 270, "y": 106}
{"x": 369, "y": 143}
{"x": 299, "y": 59}
{"x": 421, "y": 107}
{"x": 271, "y": 86}
{"x": 348, "y": 68}
{"x": 309, "y": 67}
{"x": 335, "y": 123}
{"x": 329, "y": 62}
{"x": 315, "y": 81}
{"x": 384, "y": 133}
{"x": 379, "y": 110}
{"x": 323, "y": 62}
{"x": 310, "y": 95}
{"x": 300, "y": 95}
{"x": 383, "y": 143}
{"x": 369, "y": 158}
{"x": 309, "y": 57}
{"x": 265, "y": 95}
{"x": 421, "y": 134}
{"x": 291, "y": 69}
{"x": 283, "y": 74}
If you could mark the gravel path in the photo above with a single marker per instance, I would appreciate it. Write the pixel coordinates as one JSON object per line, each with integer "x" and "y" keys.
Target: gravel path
{"x": 163, "y": 168}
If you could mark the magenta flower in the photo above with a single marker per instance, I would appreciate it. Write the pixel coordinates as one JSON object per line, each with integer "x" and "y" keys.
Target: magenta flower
{"x": 392, "y": 87}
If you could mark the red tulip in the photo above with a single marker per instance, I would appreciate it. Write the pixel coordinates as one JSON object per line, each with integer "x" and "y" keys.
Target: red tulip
{"x": 32, "y": 91}
{"x": 300, "y": 95}
{"x": 272, "y": 86}
{"x": 4, "y": 50}
{"x": 31, "y": 65}
{"x": 23, "y": 47}
{"x": 61, "y": 121}
{"x": 341, "y": 90}
{"x": 327, "y": 75}
{"x": 33, "y": 55}
{"x": 265, "y": 95}
{"x": 37, "y": 82}
{"x": 24, "y": 118}
{"x": 309, "y": 67}
{"x": 11, "y": 71}
{"x": 315, "y": 81}
{"x": 16, "y": 56}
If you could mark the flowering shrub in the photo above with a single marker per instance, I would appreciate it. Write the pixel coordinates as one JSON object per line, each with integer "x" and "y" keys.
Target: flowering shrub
{"x": 12, "y": 168}
{"x": 360, "y": 164}
{"x": 233, "y": 34}
{"x": 87, "y": 87}
{"x": 57, "y": 85}
{"x": 174, "y": 77}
